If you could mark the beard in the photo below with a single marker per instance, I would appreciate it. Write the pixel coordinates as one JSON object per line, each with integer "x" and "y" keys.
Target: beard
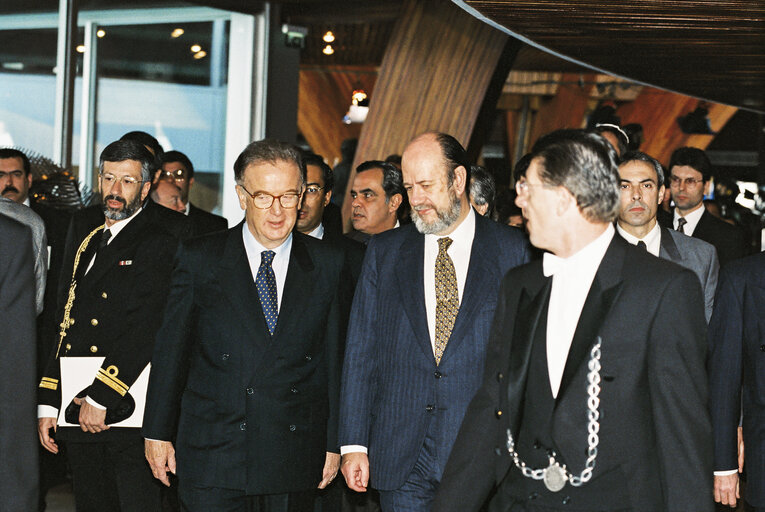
{"x": 125, "y": 211}
{"x": 445, "y": 218}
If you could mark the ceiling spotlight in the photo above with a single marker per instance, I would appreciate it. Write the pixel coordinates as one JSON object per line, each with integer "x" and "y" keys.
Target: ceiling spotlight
{"x": 328, "y": 50}
{"x": 101, "y": 32}
{"x": 178, "y": 32}
{"x": 328, "y": 37}
{"x": 196, "y": 48}
{"x": 80, "y": 48}
{"x": 201, "y": 54}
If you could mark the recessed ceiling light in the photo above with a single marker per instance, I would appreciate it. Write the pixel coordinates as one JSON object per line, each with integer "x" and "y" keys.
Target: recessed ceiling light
{"x": 101, "y": 32}
{"x": 329, "y": 37}
{"x": 328, "y": 50}
{"x": 201, "y": 54}
{"x": 80, "y": 48}
{"x": 178, "y": 32}
{"x": 195, "y": 48}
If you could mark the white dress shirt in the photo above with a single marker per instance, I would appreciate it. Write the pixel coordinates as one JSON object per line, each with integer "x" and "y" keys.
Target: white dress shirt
{"x": 459, "y": 252}
{"x": 572, "y": 279}
{"x": 652, "y": 240}
{"x": 692, "y": 219}
{"x": 318, "y": 232}
{"x": 280, "y": 264}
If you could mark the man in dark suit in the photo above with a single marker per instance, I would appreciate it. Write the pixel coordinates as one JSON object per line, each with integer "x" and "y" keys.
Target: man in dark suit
{"x": 689, "y": 174}
{"x": 117, "y": 274}
{"x": 594, "y": 394}
{"x": 18, "y": 372}
{"x": 246, "y": 367}
{"x": 377, "y": 194}
{"x": 736, "y": 363}
{"x": 177, "y": 169}
{"x": 418, "y": 329}
{"x": 642, "y": 187}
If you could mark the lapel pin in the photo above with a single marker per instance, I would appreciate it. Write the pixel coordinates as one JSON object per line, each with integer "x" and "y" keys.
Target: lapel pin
{"x": 126, "y": 262}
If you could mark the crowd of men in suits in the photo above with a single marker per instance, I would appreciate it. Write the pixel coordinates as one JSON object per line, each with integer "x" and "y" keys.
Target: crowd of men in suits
{"x": 435, "y": 358}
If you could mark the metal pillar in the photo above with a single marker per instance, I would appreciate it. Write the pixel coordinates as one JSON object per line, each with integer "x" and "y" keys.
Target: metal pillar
{"x": 62, "y": 129}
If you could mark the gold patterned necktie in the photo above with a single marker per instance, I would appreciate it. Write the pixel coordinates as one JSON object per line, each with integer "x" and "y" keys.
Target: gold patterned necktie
{"x": 447, "y": 297}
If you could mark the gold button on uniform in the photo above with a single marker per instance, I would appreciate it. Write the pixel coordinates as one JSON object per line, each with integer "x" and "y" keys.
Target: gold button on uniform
{"x": 104, "y": 295}
{"x": 94, "y": 349}
{"x": 94, "y": 322}
{"x": 68, "y": 346}
{"x": 71, "y": 321}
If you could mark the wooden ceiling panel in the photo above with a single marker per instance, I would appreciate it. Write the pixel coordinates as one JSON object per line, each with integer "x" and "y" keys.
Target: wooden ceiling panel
{"x": 702, "y": 48}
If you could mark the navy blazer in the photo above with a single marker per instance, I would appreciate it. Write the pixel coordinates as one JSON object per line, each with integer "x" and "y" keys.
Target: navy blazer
{"x": 392, "y": 387}
{"x": 252, "y": 411}
{"x": 737, "y": 371}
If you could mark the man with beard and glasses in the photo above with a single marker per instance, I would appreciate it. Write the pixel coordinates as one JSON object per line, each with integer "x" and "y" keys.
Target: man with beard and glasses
{"x": 418, "y": 331}
{"x": 118, "y": 275}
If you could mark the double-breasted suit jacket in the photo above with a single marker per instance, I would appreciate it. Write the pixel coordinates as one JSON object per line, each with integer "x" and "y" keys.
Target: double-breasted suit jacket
{"x": 737, "y": 371}
{"x": 116, "y": 311}
{"x": 392, "y": 386}
{"x": 251, "y": 411}
{"x": 654, "y": 430}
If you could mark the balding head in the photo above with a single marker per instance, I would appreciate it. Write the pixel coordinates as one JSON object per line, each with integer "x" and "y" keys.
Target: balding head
{"x": 436, "y": 173}
{"x": 168, "y": 195}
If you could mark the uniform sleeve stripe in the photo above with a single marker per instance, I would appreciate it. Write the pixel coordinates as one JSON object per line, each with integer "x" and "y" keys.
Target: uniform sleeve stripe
{"x": 48, "y": 385}
{"x": 113, "y": 383}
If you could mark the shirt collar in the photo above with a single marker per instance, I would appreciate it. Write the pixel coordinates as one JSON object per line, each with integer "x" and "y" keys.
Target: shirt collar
{"x": 318, "y": 232}
{"x": 588, "y": 256}
{"x": 27, "y": 202}
{"x": 651, "y": 239}
{"x": 692, "y": 218}
{"x": 254, "y": 247}
{"x": 188, "y": 208}
{"x": 462, "y": 234}
{"x": 119, "y": 225}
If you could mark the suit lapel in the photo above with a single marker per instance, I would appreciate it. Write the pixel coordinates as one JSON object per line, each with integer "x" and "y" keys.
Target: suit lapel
{"x": 412, "y": 287}
{"x": 601, "y": 297}
{"x": 298, "y": 286}
{"x": 534, "y": 298}
{"x": 121, "y": 248}
{"x": 668, "y": 247}
{"x": 237, "y": 283}
{"x": 481, "y": 271}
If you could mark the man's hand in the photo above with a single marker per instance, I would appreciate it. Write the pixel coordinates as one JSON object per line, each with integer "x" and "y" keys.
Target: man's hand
{"x": 91, "y": 418}
{"x": 331, "y": 465}
{"x": 726, "y": 489}
{"x": 740, "y": 449}
{"x": 43, "y": 429}
{"x": 161, "y": 457}
{"x": 356, "y": 471}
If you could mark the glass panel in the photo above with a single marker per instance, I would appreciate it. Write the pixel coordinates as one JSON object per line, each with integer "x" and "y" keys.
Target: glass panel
{"x": 168, "y": 80}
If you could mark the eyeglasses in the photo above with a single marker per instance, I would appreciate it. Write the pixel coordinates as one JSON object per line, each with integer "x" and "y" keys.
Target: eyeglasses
{"x": 689, "y": 182}
{"x": 110, "y": 179}
{"x": 264, "y": 201}
{"x": 312, "y": 190}
{"x": 176, "y": 175}
{"x": 522, "y": 187}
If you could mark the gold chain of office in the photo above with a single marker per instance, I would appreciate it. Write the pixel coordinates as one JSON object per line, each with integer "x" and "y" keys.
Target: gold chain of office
{"x": 67, "y": 322}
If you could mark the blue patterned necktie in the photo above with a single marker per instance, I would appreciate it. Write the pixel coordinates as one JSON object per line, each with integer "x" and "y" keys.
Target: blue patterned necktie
{"x": 265, "y": 280}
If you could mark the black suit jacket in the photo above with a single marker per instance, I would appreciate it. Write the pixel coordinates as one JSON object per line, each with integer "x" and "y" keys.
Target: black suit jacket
{"x": 251, "y": 411}
{"x": 654, "y": 426}
{"x": 18, "y": 442}
{"x": 203, "y": 222}
{"x": 729, "y": 240}
{"x": 737, "y": 371}
{"x": 117, "y": 310}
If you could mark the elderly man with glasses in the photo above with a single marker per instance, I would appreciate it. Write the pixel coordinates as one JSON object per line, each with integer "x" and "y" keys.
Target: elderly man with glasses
{"x": 117, "y": 267}
{"x": 243, "y": 395}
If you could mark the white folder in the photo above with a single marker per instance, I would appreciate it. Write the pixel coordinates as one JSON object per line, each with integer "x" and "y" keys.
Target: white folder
{"x": 77, "y": 373}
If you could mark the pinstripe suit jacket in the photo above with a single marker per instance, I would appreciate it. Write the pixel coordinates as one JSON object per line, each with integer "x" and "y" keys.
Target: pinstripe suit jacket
{"x": 392, "y": 387}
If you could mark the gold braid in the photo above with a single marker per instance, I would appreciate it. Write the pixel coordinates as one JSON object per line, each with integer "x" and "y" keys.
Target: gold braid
{"x": 66, "y": 323}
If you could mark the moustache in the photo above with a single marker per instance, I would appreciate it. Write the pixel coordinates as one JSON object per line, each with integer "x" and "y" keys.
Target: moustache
{"x": 10, "y": 188}
{"x": 112, "y": 197}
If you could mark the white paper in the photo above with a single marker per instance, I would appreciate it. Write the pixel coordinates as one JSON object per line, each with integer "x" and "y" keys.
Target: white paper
{"x": 77, "y": 373}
